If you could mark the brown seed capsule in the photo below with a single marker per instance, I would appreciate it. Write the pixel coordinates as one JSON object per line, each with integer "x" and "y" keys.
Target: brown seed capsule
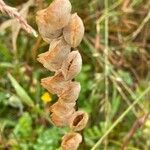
{"x": 52, "y": 19}
{"x": 71, "y": 93}
{"x": 72, "y": 65}
{"x": 74, "y": 31}
{"x": 78, "y": 121}
{"x": 71, "y": 141}
{"x": 61, "y": 108}
{"x": 53, "y": 59}
{"x": 58, "y": 13}
{"x": 59, "y": 121}
{"x": 55, "y": 84}
{"x": 45, "y": 29}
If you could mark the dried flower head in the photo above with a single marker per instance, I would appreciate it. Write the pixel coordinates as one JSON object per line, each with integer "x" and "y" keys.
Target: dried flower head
{"x": 71, "y": 141}
{"x": 71, "y": 93}
{"x": 72, "y": 65}
{"x": 74, "y": 31}
{"x": 53, "y": 59}
{"x": 78, "y": 121}
{"x": 62, "y": 30}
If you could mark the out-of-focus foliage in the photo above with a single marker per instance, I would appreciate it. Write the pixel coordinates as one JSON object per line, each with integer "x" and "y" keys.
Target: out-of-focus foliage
{"x": 24, "y": 120}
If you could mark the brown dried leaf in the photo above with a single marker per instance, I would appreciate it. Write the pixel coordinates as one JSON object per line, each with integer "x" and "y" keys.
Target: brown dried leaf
{"x": 74, "y": 31}
{"x": 71, "y": 141}
{"x": 55, "y": 84}
{"x": 72, "y": 65}
{"x": 71, "y": 93}
{"x": 53, "y": 59}
{"x": 52, "y": 19}
{"x": 78, "y": 121}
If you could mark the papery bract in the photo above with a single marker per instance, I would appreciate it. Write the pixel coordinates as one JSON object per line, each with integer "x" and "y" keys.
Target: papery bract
{"x": 55, "y": 84}
{"x": 51, "y": 20}
{"x": 58, "y": 52}
{"x": 71, "y": 141}
{"x": 58, "y": 13}
{"x": 61, "y": 108}
{"x": 78, "y": 120}
{"x": 45, "y": 29}
{"x": 72, "y": 65}
{"x": 74, "y": 31}
{"x": 71, "y": 93}
{"x": 60, "y": 120}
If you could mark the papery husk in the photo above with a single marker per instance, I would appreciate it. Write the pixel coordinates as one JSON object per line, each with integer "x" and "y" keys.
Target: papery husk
{"x": 58, "y": 13}
{"x": 55, "y": 84}
{"x": 71, "y": 141}
{"x": 62, "y": 30}
{"x": 60, "y": 120}
{"x": 71, "y": 93}
{"x": 45, "y": 29}
{"x": 51, "y": 20}
{"x": 61, "y": 108}
{"x": 78, "y": 121}
{"x": 72, "y": 65}
{"x": 58, "y": 52}
{"x": 74, "y": 31}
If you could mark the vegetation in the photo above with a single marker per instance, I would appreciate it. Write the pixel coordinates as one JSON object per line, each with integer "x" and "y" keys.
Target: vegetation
{"x": 115, "y": 78}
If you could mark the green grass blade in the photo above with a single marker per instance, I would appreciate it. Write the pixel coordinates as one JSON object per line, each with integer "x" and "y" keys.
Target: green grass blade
{"x": 120, "y": 119}
{"x": 21, "y": 92}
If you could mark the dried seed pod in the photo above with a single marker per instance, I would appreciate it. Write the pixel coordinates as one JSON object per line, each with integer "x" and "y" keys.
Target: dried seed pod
{"x": 51, "y": 20}
{"x": 45, "y": 29}
{"x": 72, "y": 65}
{"x": 78, "y": 121}
{"x": 53, "y": 59}
{"x": 60, "y": 120}
{"x": 74, "y": 31}
{"x": 71, "y": 93}
{"x": 71, "y": 141}
{"x": 61, "y": 108}
{"x": 58, "y": 13}
{"x": 55, "y": 84}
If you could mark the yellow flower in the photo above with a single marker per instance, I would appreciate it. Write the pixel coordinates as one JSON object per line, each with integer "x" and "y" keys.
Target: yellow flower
{"x": 46, "y": 97}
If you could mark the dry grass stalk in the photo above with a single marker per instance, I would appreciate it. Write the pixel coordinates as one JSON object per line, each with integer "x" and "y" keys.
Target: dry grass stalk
{"x": 13, "y": 13}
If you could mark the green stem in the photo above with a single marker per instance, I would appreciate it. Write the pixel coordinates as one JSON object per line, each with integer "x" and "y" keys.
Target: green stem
{"x": 106, "y": 50}
{"x": 120, "y": 119}
{"x": 106, "y": 70}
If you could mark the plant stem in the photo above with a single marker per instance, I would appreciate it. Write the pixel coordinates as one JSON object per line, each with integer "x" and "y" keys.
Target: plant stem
{"x": 120, "y": 118}
{"x": 107, "y": 108}
{"x": 106, "y": 50}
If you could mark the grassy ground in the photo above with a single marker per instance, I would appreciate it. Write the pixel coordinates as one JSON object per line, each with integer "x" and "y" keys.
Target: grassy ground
{"x": 115, "y": 79}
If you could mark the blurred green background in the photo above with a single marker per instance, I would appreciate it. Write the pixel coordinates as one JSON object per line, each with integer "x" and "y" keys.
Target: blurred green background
{"x": 115, "y": 78}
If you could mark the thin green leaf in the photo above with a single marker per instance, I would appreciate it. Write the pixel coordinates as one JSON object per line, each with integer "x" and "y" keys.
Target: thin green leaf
{"x": 21, "y": 92}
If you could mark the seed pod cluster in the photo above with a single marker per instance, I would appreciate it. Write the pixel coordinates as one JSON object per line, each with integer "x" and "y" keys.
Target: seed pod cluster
{"x": 71, "y": 141}
{"x": 64, "y": 32}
